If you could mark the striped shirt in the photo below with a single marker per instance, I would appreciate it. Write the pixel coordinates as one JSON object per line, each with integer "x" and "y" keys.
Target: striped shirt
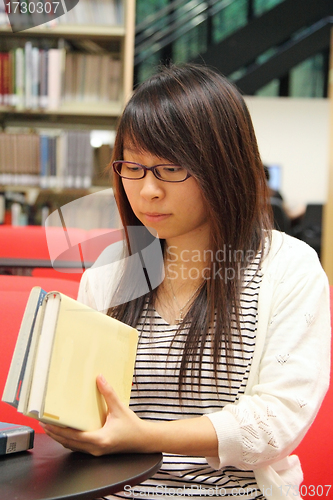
{"x": 155, "y": 397}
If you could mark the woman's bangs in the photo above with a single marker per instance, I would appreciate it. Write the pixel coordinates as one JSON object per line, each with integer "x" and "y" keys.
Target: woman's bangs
{"x": 145, "y": 125}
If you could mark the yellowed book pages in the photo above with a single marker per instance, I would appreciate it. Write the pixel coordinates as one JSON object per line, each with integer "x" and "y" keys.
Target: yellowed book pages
{"x": 86, "y": 343}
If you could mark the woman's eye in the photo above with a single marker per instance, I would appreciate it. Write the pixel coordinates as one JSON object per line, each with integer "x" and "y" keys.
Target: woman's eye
{"x": 132, "y": 168}
{"x": 172, "y": 170}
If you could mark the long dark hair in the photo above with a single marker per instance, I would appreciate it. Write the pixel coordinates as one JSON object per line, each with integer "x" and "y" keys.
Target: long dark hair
{"x": 192, "y": 116}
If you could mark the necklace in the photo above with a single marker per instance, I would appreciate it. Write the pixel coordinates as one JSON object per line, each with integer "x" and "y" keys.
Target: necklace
{"x": 181, "y": 309}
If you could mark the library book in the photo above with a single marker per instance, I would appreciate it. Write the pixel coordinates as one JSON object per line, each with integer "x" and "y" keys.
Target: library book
{"x": 62, "y": 346}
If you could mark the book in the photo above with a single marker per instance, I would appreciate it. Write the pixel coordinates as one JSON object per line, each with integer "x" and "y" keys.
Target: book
{"x": 55, "y": 77}
{"x": 70, "y": 345}
{"x": 15, "y": 438}
{"x": 18, "y": 365}
{"x": 49, "y": 159}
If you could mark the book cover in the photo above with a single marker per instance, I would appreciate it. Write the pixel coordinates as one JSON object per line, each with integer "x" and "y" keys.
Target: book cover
{"x": 15, "y": 438}
{"x": 71, "y": 345}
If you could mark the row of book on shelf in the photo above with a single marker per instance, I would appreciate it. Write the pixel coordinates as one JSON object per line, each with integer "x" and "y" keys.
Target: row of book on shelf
{"x": 60, "y": 160}
{"x": 85, "y": 12}
{"x": 38, "y": 78}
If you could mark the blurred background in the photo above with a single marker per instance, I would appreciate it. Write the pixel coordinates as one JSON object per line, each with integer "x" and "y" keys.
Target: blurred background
{"x": 65, "y": 82}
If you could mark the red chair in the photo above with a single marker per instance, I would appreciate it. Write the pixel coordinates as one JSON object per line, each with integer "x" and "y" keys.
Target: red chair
{"x": 50, "y": 251}
{"x": 14, "y": 292}
{"x": 23, "y": 242}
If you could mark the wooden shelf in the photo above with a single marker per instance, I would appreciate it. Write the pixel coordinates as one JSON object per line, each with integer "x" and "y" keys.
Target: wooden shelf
{"x": 72, "y": 108}
{"x": 58, "y": 120}
{"x": 16, "y": 188}
{"x": 68, "y": 31}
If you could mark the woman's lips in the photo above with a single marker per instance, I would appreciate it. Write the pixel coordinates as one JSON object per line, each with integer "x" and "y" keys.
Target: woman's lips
{"x": 155, "y": 217}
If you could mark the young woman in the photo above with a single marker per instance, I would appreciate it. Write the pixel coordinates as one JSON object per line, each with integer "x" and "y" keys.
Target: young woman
{"x": 233, "y": 356}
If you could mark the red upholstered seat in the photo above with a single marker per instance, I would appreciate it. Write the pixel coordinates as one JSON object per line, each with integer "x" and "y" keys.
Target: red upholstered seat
{"x": 52, "y": 246}
{"x": 23, "y": 242}
{"x": 24, "y": 284}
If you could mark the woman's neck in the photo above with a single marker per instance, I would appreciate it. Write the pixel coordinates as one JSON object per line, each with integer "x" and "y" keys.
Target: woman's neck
{"x": 185, "y": 263}
{"x": 186, "y": 260}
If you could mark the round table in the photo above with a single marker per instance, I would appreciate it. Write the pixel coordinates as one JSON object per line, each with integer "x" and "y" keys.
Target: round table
{"x": 50, "y": 472}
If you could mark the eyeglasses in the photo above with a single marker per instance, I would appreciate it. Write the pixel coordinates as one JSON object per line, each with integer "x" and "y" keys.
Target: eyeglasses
{"x": 166, "y": 173}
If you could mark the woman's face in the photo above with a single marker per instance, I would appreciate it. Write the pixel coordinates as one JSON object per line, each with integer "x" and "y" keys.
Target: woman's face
{"x": 174, "y": 210}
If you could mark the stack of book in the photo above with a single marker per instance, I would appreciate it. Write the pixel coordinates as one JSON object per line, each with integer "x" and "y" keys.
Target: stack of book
{"x": 36, "y": 78}
{"x": 81, "y": 83}
{"x": 19, "y": 159}
{"x": 49, "y": 160}
{"x": 61, "y": 348}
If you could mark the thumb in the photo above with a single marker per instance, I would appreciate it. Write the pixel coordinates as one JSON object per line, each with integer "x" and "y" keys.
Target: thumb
{"x": 107, "y": 392}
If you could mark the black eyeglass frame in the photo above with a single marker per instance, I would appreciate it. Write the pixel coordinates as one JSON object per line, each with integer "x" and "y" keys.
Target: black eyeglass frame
{"x": 147, "y": 169}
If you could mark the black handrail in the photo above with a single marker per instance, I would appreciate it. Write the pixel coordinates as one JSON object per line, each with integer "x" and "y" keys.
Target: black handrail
{"x": 304, "y": 44}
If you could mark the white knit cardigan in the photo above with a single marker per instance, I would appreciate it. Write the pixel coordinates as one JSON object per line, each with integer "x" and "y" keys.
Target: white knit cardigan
{"x": 290, "y": 369}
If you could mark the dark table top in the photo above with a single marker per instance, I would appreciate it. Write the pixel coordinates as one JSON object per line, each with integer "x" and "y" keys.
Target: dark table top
{"x": 49, "y": 471}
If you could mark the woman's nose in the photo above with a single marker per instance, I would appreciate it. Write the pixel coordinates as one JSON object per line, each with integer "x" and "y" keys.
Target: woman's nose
{"x": 151, "y": 187}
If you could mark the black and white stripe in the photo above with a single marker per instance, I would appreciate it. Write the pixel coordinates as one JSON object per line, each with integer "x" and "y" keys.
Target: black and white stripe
{"x": 155, "y": 397}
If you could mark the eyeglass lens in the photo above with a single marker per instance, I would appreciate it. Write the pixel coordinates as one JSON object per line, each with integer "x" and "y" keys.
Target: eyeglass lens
{"x": 170, "y": 173}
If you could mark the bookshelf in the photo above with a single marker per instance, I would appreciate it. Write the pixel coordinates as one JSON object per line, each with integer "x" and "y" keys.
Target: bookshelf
{"x": 72, "y": 75}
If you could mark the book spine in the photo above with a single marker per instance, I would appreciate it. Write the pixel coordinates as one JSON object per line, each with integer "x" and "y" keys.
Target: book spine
{"x": 43, "y": 89}
{"x": 1, "y": 78}
{"x": 19, "y": 78}
{"x": 12, "y": 390}
{"x": 53, "y": 163}
{"x": 44, "y": 161}
{"x": 12, "y": 101}
{"x": 35, "y": 80}
{"x": 6, "y": 78}
{"x": 54, "y": 77}
{"x": 25, "y": 359}
{"x": 28, "y": 75}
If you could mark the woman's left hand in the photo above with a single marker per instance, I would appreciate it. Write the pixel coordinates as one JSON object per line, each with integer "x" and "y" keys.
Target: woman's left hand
{"x": 123, "y": 431}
